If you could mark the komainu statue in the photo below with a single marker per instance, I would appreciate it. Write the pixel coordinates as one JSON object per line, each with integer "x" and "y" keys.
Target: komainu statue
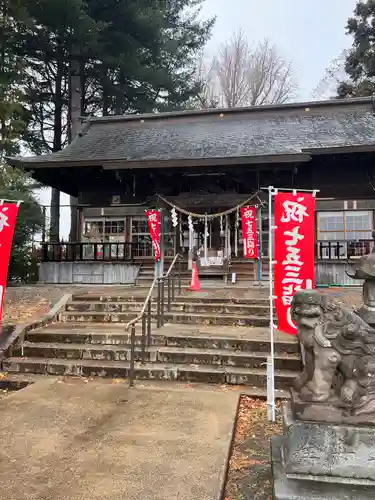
{"x": 338, "y": 380}
{"x": 364, "y": 269}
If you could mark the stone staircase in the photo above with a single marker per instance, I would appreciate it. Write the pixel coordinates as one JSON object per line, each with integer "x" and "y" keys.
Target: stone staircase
{"x": 206, "y": 338}
{"x": 147, "y": 273}
{"x": 247, "y": 270}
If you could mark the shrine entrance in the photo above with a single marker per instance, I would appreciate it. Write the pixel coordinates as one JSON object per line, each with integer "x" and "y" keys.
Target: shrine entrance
{"x": 212, "y": 235}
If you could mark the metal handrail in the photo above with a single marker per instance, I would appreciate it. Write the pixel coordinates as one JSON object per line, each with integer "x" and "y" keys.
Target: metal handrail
{"x": 176, "y": 257}
{"x": 143, "y": 310}
{"x": 146, "y": 310}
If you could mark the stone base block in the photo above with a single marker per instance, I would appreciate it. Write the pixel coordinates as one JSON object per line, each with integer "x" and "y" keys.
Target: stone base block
{"x": 342, "y": 453}
{"x": 308, "y": 487}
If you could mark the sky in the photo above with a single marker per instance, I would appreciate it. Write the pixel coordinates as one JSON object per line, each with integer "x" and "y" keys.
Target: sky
{"x": 308, "y": 33}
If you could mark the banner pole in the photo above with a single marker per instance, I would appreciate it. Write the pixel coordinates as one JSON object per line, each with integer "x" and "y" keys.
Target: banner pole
{"x": 259, "y": 229}
{"x": 271, "y": 358}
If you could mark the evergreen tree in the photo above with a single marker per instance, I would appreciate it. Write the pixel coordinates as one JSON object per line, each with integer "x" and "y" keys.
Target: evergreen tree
{"x": 16, "y": 185}
{"x": 360, "y": 62}
{"x": 13, "y": 114}
{"x": 14, "y": 121}
{"x": 132, "y": 56}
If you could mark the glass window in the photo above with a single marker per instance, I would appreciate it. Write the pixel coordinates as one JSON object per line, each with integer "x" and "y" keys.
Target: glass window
{"x": 93, "y": 227}
{"x": 344, "y": 233}
{"x": 350, "y": 225}
{"x": 105, "y": 229}
{"x": 139, "y": 225}
{"x": 114, "y": 227}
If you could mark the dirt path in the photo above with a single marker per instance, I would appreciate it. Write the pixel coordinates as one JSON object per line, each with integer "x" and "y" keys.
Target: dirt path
{"x": 85, "y": 440}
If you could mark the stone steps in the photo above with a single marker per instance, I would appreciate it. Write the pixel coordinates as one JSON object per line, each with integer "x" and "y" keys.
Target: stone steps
{"x": 151, "y": 371}
{"x": 186, "y": 298}
{"x": 197, "y": 337}
{"x": 16, "y": 381}
{"x": 216, "y": 336}
{"x": 97, "y": 317}
{"x": 177, "y": 306}
{"x": 212, "y": 319}
{"x": 174, "y": 316}
{"x": 157, "y": 354}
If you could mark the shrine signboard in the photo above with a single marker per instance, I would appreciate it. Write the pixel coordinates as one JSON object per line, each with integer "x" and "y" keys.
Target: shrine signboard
{"x": 249, "y": 232}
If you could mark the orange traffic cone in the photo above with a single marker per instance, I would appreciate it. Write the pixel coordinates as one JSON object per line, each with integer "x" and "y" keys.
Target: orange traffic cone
{"x": 194, "y": 285}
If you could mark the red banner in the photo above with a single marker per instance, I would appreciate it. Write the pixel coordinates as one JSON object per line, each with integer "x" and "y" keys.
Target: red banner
{"x": 249, "y": 232}
{"x": 294, "y": 252}
{"x": 8, "y": 216}
{"x": 153, "y": 219}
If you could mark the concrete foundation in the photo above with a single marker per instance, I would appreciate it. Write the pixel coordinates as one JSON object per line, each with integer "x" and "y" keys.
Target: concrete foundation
{"x": 108, "y": 273}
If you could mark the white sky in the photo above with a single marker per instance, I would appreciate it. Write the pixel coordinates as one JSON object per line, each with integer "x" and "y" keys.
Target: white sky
{"x": 309, "y": 34}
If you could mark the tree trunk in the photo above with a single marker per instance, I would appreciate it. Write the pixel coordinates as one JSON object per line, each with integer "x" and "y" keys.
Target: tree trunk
{"x": 57, "y": 142}
{"x": 105, "y": 91}
{"x": 75, "y": 112}
{"x": 120, "y": 94}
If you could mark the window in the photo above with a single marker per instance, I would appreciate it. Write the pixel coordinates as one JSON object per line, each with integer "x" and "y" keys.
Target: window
{"x": 110, "y": 231}
{"x": 347, "y": 234}
{"x": 114, "y": 227}
{"x": 139, "y": 225}
{"x": 104, "y": 228}
{"x": 93, "y": 228}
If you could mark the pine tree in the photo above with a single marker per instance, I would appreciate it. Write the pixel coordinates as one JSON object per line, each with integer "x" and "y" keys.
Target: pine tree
{"x": 360, "y": 62}
{"x": 14, "y": 120}
{"x": 133, "y": 56}
{"x": 16, "y": 185}
{"x": 13, "y": 114}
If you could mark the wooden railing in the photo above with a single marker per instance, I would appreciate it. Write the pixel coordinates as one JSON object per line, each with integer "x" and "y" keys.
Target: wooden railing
{"x": 99, "y": 251}
{"x": 343, "y": 250}
{"x": 172, "y": 280}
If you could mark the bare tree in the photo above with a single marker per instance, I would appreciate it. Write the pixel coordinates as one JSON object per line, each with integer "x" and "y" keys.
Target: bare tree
{"x": 242, "y": 75}
{"x": 334, "y": 75}
{"x": 230, "y": 68}
{"x": 207, "y": 97}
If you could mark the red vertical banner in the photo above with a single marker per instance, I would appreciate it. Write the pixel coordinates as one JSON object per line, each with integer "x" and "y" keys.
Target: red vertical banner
{"x": 8, "y": 217}
{"x": 249, "y": 232}
{"x": 153, "y": 219}
{"x": 294, "y": 252}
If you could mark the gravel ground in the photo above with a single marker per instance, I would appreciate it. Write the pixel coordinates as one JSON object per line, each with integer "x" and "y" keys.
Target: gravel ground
{"x": 349, "y": 297}
{"x": 27, "y": 303}
{"x": 249, "y": 475}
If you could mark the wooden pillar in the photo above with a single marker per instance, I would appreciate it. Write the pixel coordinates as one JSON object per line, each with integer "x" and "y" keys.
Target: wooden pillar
{"x": 54, "y": 234}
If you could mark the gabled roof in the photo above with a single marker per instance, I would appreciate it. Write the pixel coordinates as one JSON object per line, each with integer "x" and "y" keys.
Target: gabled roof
{"x": 257, "y": 132}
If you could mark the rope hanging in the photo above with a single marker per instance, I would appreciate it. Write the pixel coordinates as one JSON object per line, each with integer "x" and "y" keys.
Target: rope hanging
{"x": 212, "y": 216}
{"x": 6, "y": 200}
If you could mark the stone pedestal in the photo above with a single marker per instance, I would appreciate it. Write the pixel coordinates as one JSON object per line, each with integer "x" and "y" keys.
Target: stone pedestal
{"x": 324, "y": 461}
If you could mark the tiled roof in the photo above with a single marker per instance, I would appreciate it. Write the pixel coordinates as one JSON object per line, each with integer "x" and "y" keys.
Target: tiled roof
{"x": 247, "y": 132}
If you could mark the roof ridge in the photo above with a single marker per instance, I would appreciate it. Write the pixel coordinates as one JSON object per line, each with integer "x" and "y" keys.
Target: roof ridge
{"x": 245, "y": 109}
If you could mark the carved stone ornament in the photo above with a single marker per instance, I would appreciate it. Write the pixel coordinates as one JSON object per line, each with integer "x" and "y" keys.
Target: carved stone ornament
{"x": 338, "y": 380}
{"x": 364, "y": 269}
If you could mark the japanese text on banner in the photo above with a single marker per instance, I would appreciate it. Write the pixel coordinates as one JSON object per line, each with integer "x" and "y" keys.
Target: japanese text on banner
{"x": 153, "y": 219}
{"x": 294, "y": 252}
{"x": 249, "y": 232}
{"x": 8, "y": 216}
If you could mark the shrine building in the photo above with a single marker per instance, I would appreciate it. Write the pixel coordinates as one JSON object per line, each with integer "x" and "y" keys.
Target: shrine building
{"x": 204, "y": 165}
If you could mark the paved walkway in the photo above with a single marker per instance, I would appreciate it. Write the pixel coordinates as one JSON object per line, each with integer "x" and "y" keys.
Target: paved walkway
{"x": 77, "y": 440}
